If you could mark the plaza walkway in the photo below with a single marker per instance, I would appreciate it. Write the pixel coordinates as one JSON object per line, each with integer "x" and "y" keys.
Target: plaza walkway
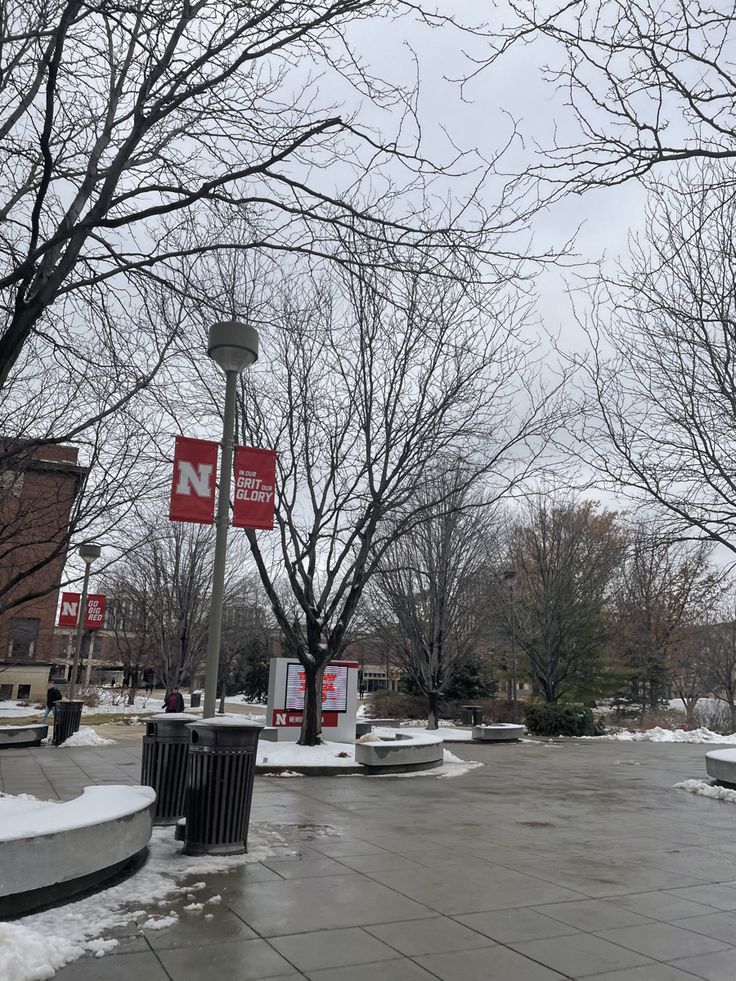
{"x": 554, "y": 860}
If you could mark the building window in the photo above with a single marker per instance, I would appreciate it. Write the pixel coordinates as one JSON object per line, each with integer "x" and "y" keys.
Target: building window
{"x": 23, "y": 635}
{"x": 24, "y": 692}
{"x": 6, "y": 691}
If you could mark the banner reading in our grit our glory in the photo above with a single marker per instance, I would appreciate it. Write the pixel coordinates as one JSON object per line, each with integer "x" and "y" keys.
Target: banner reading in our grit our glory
{"x": 193, "y": 484}
{"x": 255, "y": 479}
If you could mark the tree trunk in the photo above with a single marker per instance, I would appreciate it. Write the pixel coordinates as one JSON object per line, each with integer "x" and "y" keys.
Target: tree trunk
{"x": 433, "y": 709}
{"x": 221, "y": 710}
{"x": 311, "y": 734}
{"x": 732, "y": 712}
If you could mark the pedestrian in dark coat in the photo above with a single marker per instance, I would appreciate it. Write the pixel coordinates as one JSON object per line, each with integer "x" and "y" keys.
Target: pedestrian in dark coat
{"x": 174, "y": 701}
{"x": 53, "y": 695}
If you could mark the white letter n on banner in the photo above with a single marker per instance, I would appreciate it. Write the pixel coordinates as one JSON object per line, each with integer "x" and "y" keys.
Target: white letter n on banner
{"x": 195, "y": 479}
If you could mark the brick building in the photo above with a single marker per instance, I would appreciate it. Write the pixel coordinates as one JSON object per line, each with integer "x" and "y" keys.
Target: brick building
{"x": 38, "y": 488}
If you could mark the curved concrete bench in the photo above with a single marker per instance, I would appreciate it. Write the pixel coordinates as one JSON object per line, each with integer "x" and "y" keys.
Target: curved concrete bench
{"x": 721, "y": 765}
{"x": 401, "y": 749}
{"x": 51, "y": 850}
{"x": 499, "y": 732}
{"x": 17, "y": 736}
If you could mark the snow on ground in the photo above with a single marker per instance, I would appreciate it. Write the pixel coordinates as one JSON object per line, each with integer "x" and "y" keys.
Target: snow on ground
{"x": 448, "y": 733}
{"x": 86, "y": 736}
{"x": 12, "y": 707}
{"x": 343, "y": 754}
{"x": 243, "y": 699}
{"x": 705, "y": 789}
{"x": 34, "y": 947}
{"x": 659, "y": 735}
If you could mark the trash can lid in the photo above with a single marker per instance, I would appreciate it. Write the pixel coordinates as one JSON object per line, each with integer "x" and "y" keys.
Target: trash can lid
{"x": 229, "y": 722}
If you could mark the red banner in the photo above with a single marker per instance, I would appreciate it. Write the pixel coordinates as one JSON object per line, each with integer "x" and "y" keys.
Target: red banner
{"x": 94, "y": 617}
{"x": 255, "y": 478}
{"x": 193, "y": 484}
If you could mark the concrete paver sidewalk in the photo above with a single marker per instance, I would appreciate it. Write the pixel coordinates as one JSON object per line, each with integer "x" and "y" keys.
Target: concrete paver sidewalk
{"x": 555, "y": 860}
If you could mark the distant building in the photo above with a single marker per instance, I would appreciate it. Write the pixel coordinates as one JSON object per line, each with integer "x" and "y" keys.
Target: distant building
{"x": 38, "y": 488}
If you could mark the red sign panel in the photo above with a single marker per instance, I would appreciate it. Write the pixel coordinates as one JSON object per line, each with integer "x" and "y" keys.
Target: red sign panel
{"x": 94, "y": 617}
{"x": 193, "y": 483}
{"x": 255, "y": 479}
{"x": 69, "y": 612}
{"x": 282, "y": 717}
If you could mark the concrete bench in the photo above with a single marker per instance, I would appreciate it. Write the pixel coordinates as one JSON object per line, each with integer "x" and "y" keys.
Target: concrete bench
{"x": 362, "y": 728}
{"x": 721, "y": 765}
{"x": 401, "y": 749}
{"x": 51, "y": 850}
{"x": 499, "y": 732}
{"x": 384, "y": 723}
{"x": 17, "y": 736}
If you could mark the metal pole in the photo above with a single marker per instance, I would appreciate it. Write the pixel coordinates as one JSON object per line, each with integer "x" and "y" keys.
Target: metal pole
{"x": 515, "y": 710}
{"x": 218, "y": 570}
{"x": 80, "y": 631}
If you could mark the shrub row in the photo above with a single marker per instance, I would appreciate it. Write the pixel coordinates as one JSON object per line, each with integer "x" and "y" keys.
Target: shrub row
{"x": 543, "y": 719}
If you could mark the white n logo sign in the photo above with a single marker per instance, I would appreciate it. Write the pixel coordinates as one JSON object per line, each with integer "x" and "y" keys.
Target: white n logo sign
{"x": 194, "y": 479}
{"x": 69, "y": 609}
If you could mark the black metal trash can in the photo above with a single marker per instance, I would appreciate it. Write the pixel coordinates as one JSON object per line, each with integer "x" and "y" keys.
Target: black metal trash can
{"x": 471, "y": 715}
{"x": 195, "y": 699}
{"x": 67, "y": 717}
{"x": 164, "y": 763}
{"x": 220, "y": 776}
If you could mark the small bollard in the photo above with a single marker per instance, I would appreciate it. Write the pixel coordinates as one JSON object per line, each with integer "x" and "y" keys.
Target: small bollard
{"x": 220, "y": 777}
{"x": 164, "y": 763}
{"x": 67, "y": 717}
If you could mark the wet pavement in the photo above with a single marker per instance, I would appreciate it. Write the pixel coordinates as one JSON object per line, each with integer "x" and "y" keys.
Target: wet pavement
{"x": 572, "y": 860}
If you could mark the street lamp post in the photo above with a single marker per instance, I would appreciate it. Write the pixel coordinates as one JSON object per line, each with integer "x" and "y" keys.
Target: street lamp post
{"x": 233, "y": 346}
{"x": 510, "y": 577}
{"x": 88, "y": 554}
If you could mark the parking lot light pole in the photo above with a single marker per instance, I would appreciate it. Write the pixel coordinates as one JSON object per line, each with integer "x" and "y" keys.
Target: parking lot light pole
{"x": 233, "y": 346}
{"x": 88, "y": 554}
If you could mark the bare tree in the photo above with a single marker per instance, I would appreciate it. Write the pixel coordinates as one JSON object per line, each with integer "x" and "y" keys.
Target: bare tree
{"x": 646, "y": 83}
{"x": 662, "y": 593}
{"x": 565, "y": 553}
{"x": 424, "y": 596}
{"x": 165, "y": 584}
{"x": 367, "y": 390}
{"x": 719, "y": 656}
{"x": 116, "y": 121}
{"x": 659, "y": 419}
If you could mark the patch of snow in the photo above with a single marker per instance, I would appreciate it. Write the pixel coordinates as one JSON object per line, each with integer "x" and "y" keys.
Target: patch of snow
{"x": 194, "y": 907}
{"x": 284, "y": 773}
{"x": 214, "y": 900}
{"x": 35, "y": 946}
{"x": 290, "y": 754}
{"x": 160, "y": 922}
{"x": 452, "y": 766}
{"x": 86, "y": 736}
{"x": 209, "y": 916}
{"x": 101, "y": 947}
{"x": 659, "y": 735}
{"x": 705, "y": 789}
{"x": 12, "y": 707}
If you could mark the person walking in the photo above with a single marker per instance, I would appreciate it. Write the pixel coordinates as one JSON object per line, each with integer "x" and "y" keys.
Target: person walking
{"x": 174, "y": 701}
{"x": 53, "y": 695}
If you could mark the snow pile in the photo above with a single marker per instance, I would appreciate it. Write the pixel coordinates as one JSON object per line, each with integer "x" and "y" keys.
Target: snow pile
{"x": 289, "y": 755}
{"x": 452, "y": 766}
{"x": 35, "y": 946}
{"x": 86, "y": 736}
{"x": 659, "y": 735}
{"x": 704, "y": 789}
{"x": 11, "y": 707}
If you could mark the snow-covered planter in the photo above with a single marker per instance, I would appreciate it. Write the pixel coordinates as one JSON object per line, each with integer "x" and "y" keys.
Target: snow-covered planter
{"x": 17, "y": 736}
{"x": 50, "y": 849}
{"x": 399, "y": 749}
{"x": 720, "y": 764}
{"x": 499, "y": 732}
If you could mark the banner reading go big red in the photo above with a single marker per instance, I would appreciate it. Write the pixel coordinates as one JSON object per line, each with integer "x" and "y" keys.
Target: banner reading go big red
{"x": 193, "y": 485}
{"x": 255, "y": 479}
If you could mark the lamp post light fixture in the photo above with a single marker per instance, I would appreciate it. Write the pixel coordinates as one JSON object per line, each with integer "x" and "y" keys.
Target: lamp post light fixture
{"x": 510, "y": 578}
{"x": 88, "y": 554}
{"x": 233, "y": 346}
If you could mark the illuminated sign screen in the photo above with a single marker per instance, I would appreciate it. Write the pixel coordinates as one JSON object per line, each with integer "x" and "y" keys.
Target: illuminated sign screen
{"x": 334, "y": 688}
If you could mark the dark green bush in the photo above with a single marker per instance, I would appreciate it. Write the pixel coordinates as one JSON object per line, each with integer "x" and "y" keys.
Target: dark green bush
{"x": 559, "y": 719}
